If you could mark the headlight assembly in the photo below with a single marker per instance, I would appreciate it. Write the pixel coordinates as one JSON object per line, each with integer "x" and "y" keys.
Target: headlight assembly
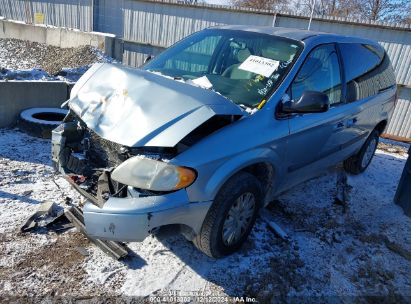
{"x": 150, "y": 174}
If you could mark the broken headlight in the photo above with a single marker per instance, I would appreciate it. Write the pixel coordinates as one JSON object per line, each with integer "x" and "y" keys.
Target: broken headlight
{"x": 155, "y": 175}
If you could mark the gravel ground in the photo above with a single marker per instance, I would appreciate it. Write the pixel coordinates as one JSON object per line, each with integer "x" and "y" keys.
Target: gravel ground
{"x": 20, "y": 59}
{"x": 357, "y": 252}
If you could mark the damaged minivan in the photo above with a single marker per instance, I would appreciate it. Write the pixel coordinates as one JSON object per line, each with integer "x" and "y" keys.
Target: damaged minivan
{"x": 218, "y": 125}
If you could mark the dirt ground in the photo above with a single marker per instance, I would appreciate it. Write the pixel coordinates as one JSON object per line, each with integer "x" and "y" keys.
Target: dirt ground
{"x": 357, "y": 253}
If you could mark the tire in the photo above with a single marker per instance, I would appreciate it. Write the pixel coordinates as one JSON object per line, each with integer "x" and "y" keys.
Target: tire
{"x": 234, "y": 196}
{"x": 357, "y": 163}
{"x": 39, "y": 122}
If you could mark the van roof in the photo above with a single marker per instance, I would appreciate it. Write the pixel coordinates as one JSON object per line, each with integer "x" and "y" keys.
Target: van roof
{"x": 292, "y": 33}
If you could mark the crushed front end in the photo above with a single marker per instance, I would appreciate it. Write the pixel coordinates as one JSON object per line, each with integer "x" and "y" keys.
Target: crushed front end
{"x": 86, "y": 160}
{"x": 112, "y": 210}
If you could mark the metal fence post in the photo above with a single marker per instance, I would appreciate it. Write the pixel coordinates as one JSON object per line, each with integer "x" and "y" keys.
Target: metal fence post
{"x": 403, "y": 194}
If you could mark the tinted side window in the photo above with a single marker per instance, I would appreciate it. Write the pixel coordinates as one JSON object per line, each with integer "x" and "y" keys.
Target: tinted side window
{"x": 367, "y": 70}
{"x": 320, "y": 72}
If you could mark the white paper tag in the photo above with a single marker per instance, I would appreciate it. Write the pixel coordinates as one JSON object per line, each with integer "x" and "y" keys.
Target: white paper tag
{"x": 203, "y": 82}
{"x": 259, "y": 65}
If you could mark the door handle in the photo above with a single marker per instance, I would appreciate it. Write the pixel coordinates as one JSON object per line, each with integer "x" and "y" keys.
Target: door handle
{"x": 339, "y": 125}
{"x": 351, "y": 122}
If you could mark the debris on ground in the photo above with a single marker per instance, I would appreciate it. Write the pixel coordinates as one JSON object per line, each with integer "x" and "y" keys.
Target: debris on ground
{"x": 49, "y": 213}
{"x": 46, "y": 214}
{"x": 274, "y": 227}
{"x": 398, "y": 249}
{"x": 25, "y": 60}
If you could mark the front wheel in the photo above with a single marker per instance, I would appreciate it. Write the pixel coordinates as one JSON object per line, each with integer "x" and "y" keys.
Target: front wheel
{"x": 231, "y": 217}
{"x": 357, "y": 163}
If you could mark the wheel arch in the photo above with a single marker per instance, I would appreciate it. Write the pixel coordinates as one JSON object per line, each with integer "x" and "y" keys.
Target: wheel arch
{"x": 264, "y": 172}
{"x": 261, "y": 163}
{"x": 380, "y": 127}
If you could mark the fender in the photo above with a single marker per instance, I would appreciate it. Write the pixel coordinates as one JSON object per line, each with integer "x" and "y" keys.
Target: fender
{"x": 241, "y": 161}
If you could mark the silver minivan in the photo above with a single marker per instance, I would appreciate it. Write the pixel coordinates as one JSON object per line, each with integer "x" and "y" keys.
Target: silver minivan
{"x": 216, "y": 126}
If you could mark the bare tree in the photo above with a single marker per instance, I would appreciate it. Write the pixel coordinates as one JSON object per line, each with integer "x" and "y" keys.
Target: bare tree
{"x": 342, "y": 8}
{"x": 384, "y": 10}
{"x": 189, "y": 1}
{"x": 262, "y": 4}
{"x": 374, "y": 10}
{"x": 321, "y": 7}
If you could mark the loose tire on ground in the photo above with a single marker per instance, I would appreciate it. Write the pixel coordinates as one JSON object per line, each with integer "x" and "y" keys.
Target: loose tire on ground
{"x": 357, "y": 163}
{"x": 39, "y": 122}
{"x": 210, "y": 239}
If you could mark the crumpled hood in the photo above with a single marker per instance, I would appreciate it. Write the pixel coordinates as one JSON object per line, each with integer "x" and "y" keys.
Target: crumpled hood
{"x": 135, "y": 108}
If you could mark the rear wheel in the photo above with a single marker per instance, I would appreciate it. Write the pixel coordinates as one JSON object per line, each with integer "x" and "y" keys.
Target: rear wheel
{"x": 231, "y": 216}
{"x": 357, "y": 163}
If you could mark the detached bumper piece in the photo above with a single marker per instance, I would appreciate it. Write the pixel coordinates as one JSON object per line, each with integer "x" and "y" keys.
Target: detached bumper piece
{"x": 113, "y": 249}
{"x": 48, "y": 215}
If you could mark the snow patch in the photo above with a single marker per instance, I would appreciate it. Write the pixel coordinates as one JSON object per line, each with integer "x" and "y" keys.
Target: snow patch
{"x": 331, "y": 253}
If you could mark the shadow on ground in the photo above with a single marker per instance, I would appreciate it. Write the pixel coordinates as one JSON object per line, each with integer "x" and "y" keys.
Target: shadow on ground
{"x": 18, "y": 198}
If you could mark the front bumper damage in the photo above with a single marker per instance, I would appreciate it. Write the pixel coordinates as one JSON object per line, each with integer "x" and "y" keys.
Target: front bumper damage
{"x": 133, "y": 219}
{"x": 112, "y": 211}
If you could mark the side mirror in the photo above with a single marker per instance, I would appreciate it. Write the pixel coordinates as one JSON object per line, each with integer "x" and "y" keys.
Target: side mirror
{"x": 148, "y": 58}
{"x": 310, "y": 102}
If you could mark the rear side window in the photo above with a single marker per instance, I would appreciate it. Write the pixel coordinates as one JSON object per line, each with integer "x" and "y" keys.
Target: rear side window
{"x": 320, "y": 72}
{"x": 367, "y": 70}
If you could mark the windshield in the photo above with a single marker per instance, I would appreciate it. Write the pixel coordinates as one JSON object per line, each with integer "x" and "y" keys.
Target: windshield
{"x": 242, "y": 66}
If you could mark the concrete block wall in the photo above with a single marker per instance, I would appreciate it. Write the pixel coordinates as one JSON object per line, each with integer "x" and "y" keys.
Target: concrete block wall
{"x": 60, "y": 37}
{"x": 15, "y": 96}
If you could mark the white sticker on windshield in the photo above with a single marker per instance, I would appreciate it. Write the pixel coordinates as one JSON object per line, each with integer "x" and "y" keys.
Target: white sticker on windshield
{"x": 203, "y": 82}
{"x": 259, "y": 65}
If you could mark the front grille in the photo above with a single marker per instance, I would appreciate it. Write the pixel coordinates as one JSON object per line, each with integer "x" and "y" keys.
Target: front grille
{"x": 103, "y": 153}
